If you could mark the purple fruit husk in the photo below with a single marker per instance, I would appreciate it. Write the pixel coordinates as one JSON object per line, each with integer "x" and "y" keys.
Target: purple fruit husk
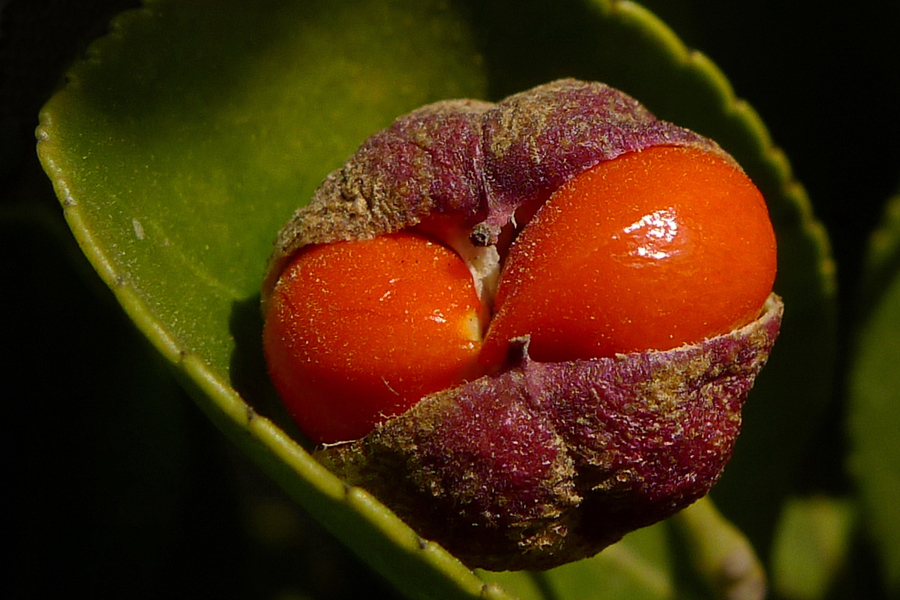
{"x": 474, "y": 160}
{"x": 546, "y": 463}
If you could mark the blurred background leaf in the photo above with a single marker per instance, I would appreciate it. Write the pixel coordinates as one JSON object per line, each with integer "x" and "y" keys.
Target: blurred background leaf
{"x": 874, "y": 396}
{"x": 813, "y": 545}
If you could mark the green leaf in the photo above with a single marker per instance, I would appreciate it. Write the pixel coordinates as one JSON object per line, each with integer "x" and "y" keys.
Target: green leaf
{"x": 811, "y": 546}
{"x": 180, "y": 146}
{"x": 874, "y": 396}
{"x": 191, "y": 132}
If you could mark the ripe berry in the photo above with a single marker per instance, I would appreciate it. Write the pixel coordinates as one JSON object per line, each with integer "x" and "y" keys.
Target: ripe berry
{"x": 359, "y": 331}
{"x": 650, "y": 250}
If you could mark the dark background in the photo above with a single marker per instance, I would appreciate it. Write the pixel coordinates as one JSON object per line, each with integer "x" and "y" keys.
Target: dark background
{"x": 117, "y": 493}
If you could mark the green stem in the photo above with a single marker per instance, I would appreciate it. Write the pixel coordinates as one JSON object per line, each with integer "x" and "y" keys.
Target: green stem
{"x": 721, "y": 554}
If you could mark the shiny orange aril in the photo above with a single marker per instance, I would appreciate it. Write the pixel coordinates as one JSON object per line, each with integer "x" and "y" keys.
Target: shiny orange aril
{"x": 651, "y": 250}
{"x": 358, "y": 331}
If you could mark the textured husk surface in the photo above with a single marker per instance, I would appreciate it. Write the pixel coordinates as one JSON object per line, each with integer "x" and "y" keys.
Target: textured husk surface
{"x": 547, "y": 463}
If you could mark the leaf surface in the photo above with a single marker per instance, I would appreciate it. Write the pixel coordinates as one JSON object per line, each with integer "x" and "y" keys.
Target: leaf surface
{"x": 191, "y": 132}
